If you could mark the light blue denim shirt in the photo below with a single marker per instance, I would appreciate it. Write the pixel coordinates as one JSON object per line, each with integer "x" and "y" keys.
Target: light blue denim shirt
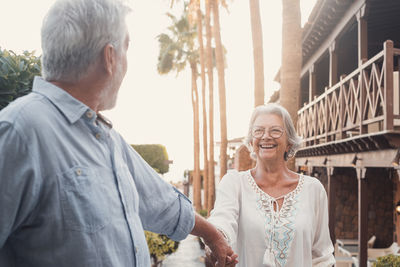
{"x": 73, "y": 192}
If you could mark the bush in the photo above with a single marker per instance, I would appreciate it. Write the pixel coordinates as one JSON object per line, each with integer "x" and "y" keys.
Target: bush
{"x": 388, "y": 261}
{"x": 16, "y": 74}
{"x": 203, "y": 213}
{"x": 159, "y": 247}
{"x": 155, "y": 155}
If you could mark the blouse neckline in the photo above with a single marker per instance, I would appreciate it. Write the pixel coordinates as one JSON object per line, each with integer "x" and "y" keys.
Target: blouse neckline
{"x": 279, "y": 224}
{"x": 263, "y": 193}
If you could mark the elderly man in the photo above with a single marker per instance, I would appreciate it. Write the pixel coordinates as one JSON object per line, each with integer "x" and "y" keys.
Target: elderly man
{"x": 72, "y": 191}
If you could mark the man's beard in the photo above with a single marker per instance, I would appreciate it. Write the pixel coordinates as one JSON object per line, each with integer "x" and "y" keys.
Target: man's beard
{"x": 110, "y": 92}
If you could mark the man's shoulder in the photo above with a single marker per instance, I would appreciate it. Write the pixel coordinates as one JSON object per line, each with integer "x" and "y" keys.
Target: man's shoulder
{"x": 25, "y": 109}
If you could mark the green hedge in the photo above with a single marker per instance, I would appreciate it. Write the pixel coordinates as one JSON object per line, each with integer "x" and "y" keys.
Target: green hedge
{"x": 16, "y": 74}
{"x": 159, "y": 247}
{"x": 155, "y": 155}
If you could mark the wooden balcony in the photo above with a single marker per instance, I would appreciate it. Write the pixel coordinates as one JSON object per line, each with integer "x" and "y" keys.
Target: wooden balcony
{"x": 359, "y": 113}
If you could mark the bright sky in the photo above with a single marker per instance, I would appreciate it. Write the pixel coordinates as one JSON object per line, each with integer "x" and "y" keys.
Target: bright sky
{"x": 154, "y": 109}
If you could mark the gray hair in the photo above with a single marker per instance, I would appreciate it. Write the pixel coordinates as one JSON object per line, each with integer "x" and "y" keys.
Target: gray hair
{"x": 74, "y": 33}
{"x": 272, "y": 108}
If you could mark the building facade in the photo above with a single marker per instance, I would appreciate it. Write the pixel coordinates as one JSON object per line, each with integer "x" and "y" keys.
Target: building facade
{"x": 350, "y": 116}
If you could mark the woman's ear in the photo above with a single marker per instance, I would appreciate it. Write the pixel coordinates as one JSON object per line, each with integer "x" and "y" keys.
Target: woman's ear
{"x": 109, "y": 56}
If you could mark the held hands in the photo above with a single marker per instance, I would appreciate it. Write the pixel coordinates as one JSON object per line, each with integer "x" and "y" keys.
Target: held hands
{"x": 219, "y": 253}
{"x": 212, "y": 261}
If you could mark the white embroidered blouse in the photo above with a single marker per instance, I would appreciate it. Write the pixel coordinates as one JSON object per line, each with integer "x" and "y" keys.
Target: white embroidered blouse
{"x": 296, "y": 235}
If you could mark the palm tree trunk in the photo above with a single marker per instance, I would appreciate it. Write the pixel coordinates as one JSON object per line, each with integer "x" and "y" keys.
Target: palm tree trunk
{"x": 196, "y": 172}
{"x": 291, "y": 59}
{"x": 256, "y": 30}
{"x": 209, "y": 62}
{"x": 221, "y": 89}
{"x": 203, "y": 94}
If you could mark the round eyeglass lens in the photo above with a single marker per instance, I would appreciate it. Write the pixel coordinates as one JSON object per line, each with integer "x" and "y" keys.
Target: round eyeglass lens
{"x": 275, "y": 132}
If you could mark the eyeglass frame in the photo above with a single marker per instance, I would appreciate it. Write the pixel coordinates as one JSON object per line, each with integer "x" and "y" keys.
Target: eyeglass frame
{"x": 282, "y": 130}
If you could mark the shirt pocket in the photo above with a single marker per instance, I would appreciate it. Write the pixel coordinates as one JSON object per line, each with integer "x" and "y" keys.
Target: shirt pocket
{"x": 83, "y": 200}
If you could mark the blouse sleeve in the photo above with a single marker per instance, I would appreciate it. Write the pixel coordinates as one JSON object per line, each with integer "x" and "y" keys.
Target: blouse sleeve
{"x": 322, "y": 249}
{"x": 225, "y": 214}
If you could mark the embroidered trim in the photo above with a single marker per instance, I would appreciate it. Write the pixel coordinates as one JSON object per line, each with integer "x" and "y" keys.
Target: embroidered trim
{"x": 279, "y": 225}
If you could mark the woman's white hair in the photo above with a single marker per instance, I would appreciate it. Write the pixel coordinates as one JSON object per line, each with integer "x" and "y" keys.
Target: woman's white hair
{"x": 271, "y": 108}
{"x": 74, "y": 33}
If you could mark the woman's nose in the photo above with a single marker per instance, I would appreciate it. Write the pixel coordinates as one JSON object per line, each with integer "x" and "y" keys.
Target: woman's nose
{"x": 266, "y": 135}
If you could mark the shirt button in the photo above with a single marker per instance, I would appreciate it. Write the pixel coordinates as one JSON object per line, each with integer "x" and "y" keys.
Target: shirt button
{"x": 98, "y": 136}
{"x": 78, "y": 172}
{"x": 89, "y": 114}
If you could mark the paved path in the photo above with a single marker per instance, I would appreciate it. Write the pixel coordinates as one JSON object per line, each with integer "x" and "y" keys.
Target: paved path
{"x": 188, "y": 254}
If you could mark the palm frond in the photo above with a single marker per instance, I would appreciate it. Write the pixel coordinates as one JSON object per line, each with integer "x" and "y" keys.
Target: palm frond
{"x": 178, "y": 46}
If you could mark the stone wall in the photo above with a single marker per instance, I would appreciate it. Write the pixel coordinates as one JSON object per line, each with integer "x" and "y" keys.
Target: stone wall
{"x": 346, "y": 210}
{"x": 380, "y": 203}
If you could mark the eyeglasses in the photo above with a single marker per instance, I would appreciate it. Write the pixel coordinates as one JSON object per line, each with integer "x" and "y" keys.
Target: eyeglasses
{"x": 275, "y": 132}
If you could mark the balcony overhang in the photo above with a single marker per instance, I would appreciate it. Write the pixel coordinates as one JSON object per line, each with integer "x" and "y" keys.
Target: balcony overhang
{"x": 356, "y": 144}
{"x": 367, "y": 159}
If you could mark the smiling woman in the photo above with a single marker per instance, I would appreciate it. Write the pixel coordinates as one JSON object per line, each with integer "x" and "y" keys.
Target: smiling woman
{"x": 276, "y": 120}
{"x": 270, "y": 215}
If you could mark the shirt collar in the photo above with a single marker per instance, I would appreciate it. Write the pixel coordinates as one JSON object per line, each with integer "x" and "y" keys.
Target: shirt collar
{"x": 103, "y": 119}
{"x": 72, "y": 108}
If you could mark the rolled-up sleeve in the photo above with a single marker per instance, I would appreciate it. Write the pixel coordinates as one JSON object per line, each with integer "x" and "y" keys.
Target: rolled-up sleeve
{"x": 162, "y": 208}
{"x": 19, "y": 181}
{"x": 185, "y": 222}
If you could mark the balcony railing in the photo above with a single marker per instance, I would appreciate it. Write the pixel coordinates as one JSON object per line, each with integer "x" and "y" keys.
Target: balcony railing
{"x": 361, "y": 103}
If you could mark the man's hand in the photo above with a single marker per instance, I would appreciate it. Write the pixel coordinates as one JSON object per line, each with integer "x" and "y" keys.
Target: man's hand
{"x": 212, "y": 261}
{"x": 220, "y": 253}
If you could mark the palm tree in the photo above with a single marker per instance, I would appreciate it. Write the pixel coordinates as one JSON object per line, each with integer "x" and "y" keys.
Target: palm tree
{"x": 199, "y": 25}
{"x": 256, "y": 30}
{"x": 221, "y": 87}
{"x": 176, "y": 50}
{"x": 291, "y": 58}
{"x": 210, "y": 69}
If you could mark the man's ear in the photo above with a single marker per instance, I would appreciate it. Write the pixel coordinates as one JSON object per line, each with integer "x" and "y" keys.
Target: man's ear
{"x": 109, "y": 58}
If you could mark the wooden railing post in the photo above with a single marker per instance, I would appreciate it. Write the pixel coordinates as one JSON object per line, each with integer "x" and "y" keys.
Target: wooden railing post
{"x": 363, "y": 95}
{"x": 312, "y": 90}
{"x": 332, "y": 64}
{"x": 362, "y": 58}
{"x": 326, "y": 115}
{"x": 342, "y": 107}
{"x": 388, "y": 85}
{"x": 362, "y": 35}
{"x": 315, "y": 106}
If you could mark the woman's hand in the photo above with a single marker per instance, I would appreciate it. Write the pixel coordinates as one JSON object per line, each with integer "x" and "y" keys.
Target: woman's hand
{"x": 221, "y": 254}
